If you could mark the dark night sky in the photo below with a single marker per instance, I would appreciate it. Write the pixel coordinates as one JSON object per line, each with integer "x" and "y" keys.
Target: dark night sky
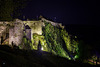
{"x": 65, "y": 11}
{"x": 84, "y": 12}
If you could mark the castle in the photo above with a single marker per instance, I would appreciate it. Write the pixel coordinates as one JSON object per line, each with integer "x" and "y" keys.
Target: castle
{"x": 12, "y": 32}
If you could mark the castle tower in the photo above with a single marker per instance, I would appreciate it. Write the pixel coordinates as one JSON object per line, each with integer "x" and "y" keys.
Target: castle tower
{"x": 16, "y": 33}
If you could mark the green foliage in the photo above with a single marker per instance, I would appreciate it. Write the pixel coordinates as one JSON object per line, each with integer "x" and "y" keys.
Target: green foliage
{"x": 54, "y": 40}
{"x": 25, "y": 44}
{"x": 35, "y": 42}
{"x": 71, "y": 44}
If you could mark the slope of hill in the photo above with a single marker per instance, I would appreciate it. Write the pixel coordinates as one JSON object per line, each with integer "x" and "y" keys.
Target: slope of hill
{"x": 32, "y": 58}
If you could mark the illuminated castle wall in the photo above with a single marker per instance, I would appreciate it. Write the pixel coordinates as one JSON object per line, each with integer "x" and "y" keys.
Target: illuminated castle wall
{"x": 13, "y": 32}
{"x": 16, "y": 33}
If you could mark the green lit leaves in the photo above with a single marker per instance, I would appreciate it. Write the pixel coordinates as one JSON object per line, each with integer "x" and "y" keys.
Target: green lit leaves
{"x": 71, "y": 44}
{"x": 54, "y": 40}
{"x": 35, "y": 42}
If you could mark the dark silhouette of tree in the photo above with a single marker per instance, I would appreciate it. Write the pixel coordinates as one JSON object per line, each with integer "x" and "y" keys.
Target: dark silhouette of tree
{"x": 1, "y": 39}
{"x": 84, "y": 51}
{"x": 10, "y": 9}
{"x": 39, "y": 46}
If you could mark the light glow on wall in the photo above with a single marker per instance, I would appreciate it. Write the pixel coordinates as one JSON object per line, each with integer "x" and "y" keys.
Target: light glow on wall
{"x": 42, "y": 48}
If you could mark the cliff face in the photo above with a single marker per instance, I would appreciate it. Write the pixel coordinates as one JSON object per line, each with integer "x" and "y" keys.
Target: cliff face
{"x": 39, "y": 35}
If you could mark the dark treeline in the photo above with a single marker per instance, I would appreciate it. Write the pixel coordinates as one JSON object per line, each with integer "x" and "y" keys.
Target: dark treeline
{"x": 89, "y": 34}
{"x": 11, "y": 9}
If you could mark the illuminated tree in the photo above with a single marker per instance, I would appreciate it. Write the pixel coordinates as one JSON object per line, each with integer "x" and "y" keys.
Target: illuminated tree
{"x": 56, "y": 38}
{"x": 39, "y": 39}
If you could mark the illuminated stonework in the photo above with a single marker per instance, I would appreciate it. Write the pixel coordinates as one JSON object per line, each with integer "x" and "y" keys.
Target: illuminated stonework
{"x": 13, "y": 31}
{"x": 30, "y": 35}
{"x": 36, "y": 26}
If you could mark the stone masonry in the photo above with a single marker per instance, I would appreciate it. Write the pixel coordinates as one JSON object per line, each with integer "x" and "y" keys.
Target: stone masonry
{"x": 13, "y": 31}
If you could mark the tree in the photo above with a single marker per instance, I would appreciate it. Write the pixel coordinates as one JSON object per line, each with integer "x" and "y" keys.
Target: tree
{"x": 6, "y": 8}
{"x": 83, "y": 51}
{"x": 39, "y": 46}
{"x": 10, "y": 9}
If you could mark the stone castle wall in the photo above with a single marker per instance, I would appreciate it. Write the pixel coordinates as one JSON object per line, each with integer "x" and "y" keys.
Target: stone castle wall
{"x": 53, "y": 23}
{"x": 16, "y": 33}
{"x": 17, "y": 29}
